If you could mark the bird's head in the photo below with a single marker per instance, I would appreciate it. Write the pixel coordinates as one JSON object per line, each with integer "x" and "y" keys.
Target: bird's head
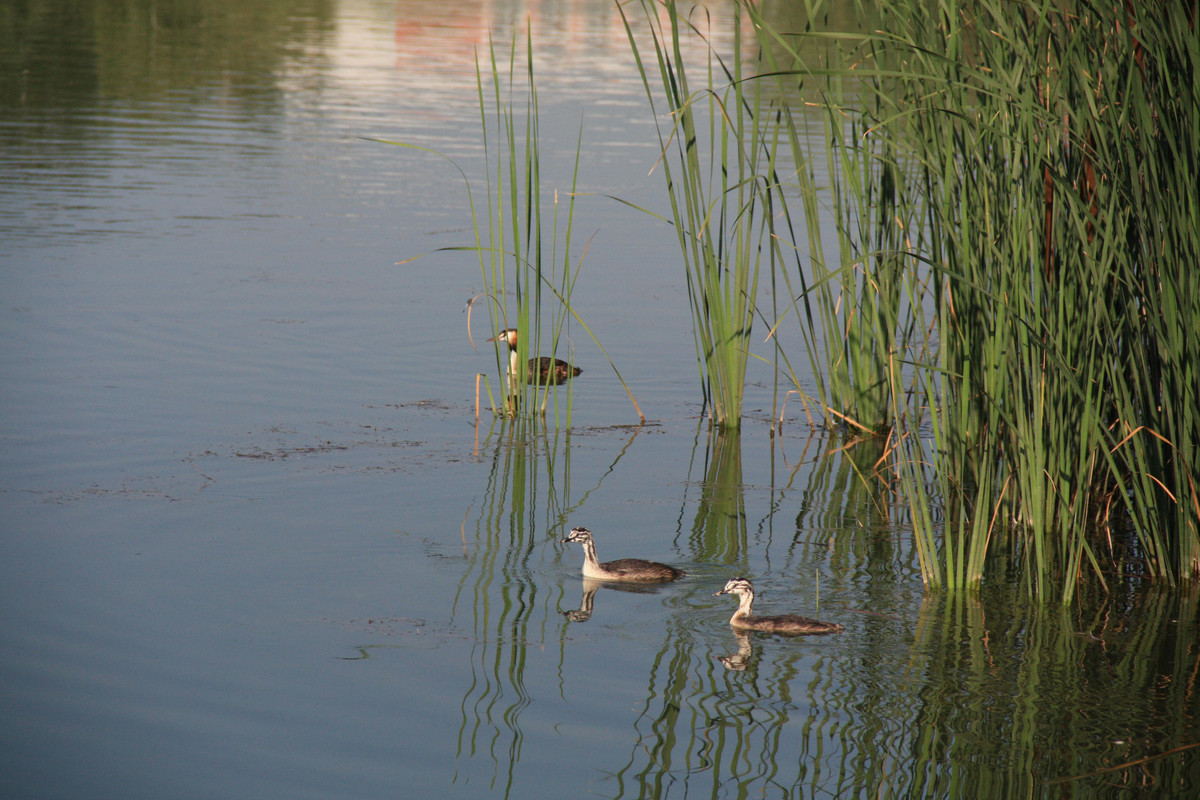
{"x": 508, "y": 336}
{"x": 736, "y": 586}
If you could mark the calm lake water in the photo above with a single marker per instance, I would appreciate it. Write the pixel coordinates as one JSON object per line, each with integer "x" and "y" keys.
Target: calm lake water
{"x": 253, "y": 543}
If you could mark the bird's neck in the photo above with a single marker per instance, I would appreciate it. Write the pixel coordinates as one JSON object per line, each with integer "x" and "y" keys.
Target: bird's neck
{"x": 745, "y": 605}
{"x": 589, "y": 556}
{"x": 514, "y": 366}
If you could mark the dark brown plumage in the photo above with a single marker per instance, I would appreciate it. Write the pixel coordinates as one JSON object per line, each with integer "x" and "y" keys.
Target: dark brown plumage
{"x": 542, "y": 369}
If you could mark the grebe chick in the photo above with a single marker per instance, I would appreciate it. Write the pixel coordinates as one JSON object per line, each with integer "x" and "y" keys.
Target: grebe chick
{"x": 543, "y": 370}
{"x": 623, "y": 569}
{"x": 785, "y": 624}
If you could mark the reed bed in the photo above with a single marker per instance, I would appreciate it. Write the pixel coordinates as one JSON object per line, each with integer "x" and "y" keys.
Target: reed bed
{"x": 1014, "y": 305}
{"x": 1057, "y": 151}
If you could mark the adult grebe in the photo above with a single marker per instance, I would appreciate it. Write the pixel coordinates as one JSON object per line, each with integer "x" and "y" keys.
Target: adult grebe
{"x": 786, "y": 624}
{"x": 623, "y": 569}
{"x": 543, "y": 370}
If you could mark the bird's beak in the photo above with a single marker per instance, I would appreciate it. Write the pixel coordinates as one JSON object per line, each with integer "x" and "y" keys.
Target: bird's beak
{"x": 715, "y": 594}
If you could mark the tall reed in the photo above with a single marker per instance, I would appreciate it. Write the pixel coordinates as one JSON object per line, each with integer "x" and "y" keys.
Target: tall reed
{"x": 1059, "y": 155}
{"x": 513, "y": 260}
{"x": 853, "y": 302}
{"x": 736, "y": 163}
{"x": 718, "y": 160}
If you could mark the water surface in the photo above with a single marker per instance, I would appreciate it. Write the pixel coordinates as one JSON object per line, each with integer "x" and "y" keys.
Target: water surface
{"x": 255, "y": 544}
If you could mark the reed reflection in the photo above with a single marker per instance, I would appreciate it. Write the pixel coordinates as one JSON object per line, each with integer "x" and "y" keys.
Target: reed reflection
{"x": 528, "y": 497}
{"x": 849, "y": 486}
{"x": 763, "y": 717}
{"x": 719, "y": 526}
{"x": 527, "y": 491}
{"x": 1016, "y": 700}
{"x": 851, "y": 520}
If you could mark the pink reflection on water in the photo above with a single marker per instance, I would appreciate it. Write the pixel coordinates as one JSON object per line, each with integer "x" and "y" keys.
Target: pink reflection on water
{"x": 432, "y": 35}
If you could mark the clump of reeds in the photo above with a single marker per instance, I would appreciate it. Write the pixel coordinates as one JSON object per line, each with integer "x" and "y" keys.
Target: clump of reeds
{"x": 513, "y": 259}
{"x": 857, "y": 308}
{"x": 524, "y": 250}
{"x": 742, "y": 189}
{"x": 1015, "y": 301}
{"x": 1052, "y": 158}
{"x": 1059, "y": 151}
{"x": 718, "y": 160}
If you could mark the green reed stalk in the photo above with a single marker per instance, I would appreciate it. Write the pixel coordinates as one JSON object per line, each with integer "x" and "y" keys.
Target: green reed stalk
{"x": 718, "y": 158}
{"x": 852, "y": 310}
{"x": 516, "y": 232}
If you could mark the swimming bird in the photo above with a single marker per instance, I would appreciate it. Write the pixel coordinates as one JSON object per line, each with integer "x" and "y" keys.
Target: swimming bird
{"x": 623, "y": 569}
{"x": 786, "y": 624}
{"x": 543, "y": 370}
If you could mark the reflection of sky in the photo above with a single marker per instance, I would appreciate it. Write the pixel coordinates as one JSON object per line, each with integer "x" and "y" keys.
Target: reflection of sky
{"x": 419, "y": 63}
